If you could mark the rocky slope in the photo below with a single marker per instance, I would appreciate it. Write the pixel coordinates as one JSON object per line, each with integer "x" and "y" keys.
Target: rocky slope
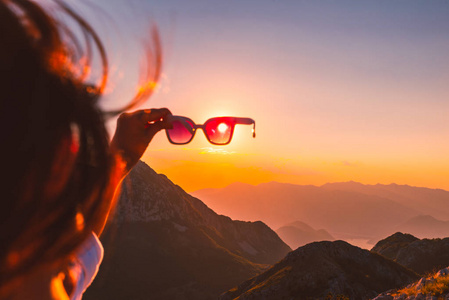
{"x": 433, "y": 287}
{"x": 166, "y": 244}
{"x": 322, "y": 268}
{"x": 298, "y": 234}
{"x": 422, "y": 256}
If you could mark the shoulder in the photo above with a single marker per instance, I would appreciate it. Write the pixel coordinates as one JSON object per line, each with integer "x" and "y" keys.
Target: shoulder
{"x": 85, "y": 265}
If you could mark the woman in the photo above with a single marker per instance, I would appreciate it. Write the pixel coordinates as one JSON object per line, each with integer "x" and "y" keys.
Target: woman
{"x": 60, "y": 172}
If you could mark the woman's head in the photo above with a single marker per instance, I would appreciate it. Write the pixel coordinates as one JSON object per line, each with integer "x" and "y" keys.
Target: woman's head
{"x": 56, "y": 160}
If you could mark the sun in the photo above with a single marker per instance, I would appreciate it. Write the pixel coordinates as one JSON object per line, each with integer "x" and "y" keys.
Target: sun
{"x": 222, "y": 127}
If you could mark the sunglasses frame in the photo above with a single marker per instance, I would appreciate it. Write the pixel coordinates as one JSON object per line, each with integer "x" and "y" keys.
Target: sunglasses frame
{"x": 188, "y": 123}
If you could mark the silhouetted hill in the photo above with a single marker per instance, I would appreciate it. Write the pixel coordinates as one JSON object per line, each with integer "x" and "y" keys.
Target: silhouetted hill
{"x": 425, "y": 227}
{"x": 166, "y": 244}
{"x": 422, "y": 256}
{"x": 390, "y": 246}
{"x": 345, "y": 214}
{"x": 317, "y": 269}
{"x": 298, "y": 234}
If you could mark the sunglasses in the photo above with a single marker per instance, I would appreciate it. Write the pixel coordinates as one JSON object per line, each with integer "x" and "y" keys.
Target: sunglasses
{"x": 218, "y": 131}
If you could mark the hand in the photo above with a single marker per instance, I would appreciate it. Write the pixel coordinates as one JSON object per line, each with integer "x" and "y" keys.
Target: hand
{"x": 135, "y": 131}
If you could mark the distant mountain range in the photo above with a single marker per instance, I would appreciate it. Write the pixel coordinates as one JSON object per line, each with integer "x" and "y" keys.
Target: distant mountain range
{"x": 422, "y": 256}
{"x": 434, "y": 202}
{"x": 425, "y": 226}
{"x": 325, "y": 270}
{"x": 347, "y": 210}
{"x": 298, "y": 234}
{"x": 166, "y": 244}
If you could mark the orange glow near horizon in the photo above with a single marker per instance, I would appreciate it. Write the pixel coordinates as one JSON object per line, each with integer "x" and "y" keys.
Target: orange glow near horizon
{"x": 209, "y": 167}
{"x": 219, "y": 175}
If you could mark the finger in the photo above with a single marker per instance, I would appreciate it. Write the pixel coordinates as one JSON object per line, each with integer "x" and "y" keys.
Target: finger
{"x": 158, "y": 126}
{"x": 155, "y": 114}
{"x": 166, "y": 123}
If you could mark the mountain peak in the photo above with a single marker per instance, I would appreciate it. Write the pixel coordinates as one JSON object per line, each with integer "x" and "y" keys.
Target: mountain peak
{"x": 318, "y": 269}
{"x": 346, "y": 184}
{"x": 424, "y": 218}
{"x": 389, "y": 246}
{"x": 298, "y": 234}
{"x": 148, "y": 196}
{"x": 165, "y": 244}
{"x": 422, "y": 256}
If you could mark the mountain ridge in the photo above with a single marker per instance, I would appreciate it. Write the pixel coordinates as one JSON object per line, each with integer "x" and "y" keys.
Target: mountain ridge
{"x": 318, "y": 269}
{"x": 350, "y": 182}
{"x": 165, "y": 244}
{"x": 298, "y": 234}
{"x": 420, "y": 255}
{"x": 425, "y": 226}
{"x": 276, "y": 204}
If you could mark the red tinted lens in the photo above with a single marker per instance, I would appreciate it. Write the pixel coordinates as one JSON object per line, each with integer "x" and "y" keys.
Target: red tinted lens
{"x": 179, "y": 134}
{"x": 219, "y": 130}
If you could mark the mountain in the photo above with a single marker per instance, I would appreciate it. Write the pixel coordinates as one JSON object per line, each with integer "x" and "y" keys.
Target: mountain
{"x": 425, "y": 226}
{"x": 298, "y": 234}
{"x": 165, "y": 244}
{"x": 434, "y": 202}
{"x": 322, "y": 268}
{"x": 390, "y": 246}
{"x": 345, "y": 214}
{"x": 421, "y": 256}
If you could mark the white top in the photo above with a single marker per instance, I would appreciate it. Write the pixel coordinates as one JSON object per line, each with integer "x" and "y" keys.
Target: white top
{"x": 86, "y": 264}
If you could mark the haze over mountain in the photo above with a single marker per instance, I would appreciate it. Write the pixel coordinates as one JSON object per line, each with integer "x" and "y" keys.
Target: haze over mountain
{"x": 346, "y": 210}
{"x": 166, "y": 244}
{"x": 425, "y": 226}
{"x": 434, "y": 202}
{"x": 318, "y": 269}
{"x": 421, "y": 256}
{"x": 298, "y": 234}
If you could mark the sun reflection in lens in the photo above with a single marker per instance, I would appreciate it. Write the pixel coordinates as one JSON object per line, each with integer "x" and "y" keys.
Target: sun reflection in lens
{"x": 222, "y": 127}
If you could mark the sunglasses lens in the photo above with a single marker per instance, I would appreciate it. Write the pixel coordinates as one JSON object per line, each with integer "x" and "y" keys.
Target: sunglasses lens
{"x": 219, "y": 130}
{"x": 180, "y": 134}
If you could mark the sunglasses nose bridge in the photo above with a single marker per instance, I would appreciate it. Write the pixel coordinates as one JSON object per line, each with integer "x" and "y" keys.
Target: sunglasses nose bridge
{"x": 197, "y": 127}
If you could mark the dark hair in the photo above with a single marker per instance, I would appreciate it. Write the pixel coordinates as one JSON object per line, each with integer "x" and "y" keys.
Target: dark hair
{"x": 48, "y": 108}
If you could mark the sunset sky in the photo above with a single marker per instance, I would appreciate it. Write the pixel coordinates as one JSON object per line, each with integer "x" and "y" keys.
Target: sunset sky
{"x": 340, "y": 90}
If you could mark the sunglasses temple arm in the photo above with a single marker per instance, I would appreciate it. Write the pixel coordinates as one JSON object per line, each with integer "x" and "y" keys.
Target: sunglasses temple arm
{"x": 244, "y": 121}
{"x": 187, "y": 125}
{"x": 247, "y": 121}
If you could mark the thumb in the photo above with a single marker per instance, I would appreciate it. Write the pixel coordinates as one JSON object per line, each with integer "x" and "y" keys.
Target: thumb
{"x": 157, "y": 126}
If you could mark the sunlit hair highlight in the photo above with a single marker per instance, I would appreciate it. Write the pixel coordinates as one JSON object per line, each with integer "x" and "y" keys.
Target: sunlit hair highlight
{"x": 46, "y": 101}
